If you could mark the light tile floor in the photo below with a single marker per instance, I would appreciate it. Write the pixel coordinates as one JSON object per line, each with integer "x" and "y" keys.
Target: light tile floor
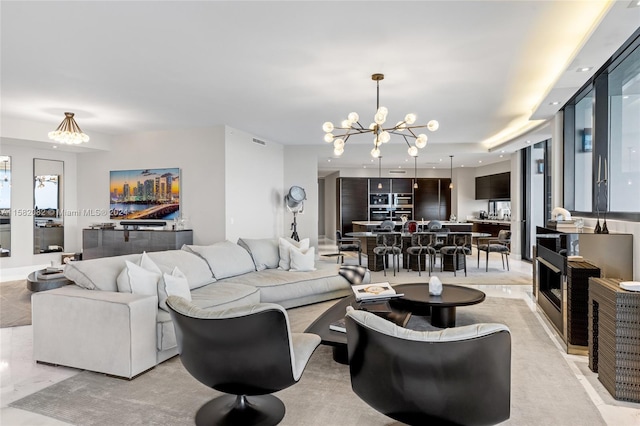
{"x": 615, "y": 413}
{"x": 21, "y": 376}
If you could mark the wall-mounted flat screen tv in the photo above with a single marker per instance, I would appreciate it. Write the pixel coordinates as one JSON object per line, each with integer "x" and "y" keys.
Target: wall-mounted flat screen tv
{"x": 145, "y": 194}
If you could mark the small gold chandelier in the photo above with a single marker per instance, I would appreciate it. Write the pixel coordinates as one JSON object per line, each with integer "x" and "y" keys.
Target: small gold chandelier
{"x": 352, "y": 126}
{"x": 68, "y": 131}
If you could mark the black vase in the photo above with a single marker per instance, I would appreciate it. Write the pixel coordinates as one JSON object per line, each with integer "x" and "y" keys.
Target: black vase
{"x": 598, "y": 229}
{"x": 604, "y": 230}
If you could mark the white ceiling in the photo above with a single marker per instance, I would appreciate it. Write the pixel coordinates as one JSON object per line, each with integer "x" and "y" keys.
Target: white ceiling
{"x": 278, "y": 70}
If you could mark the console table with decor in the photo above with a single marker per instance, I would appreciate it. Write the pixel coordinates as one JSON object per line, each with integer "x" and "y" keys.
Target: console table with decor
{"x": 614, "y": 337}
{"x": 115, "y": 242}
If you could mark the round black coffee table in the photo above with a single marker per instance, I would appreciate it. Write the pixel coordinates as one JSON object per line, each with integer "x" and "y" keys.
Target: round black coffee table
{"x": 416, "y": 300}
{"x": 442, "y": 308}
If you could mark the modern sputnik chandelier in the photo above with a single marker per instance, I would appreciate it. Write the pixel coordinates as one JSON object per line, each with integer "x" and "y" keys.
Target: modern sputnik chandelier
{"x": 351, "y": 126}
{"x": 68, "y": 131}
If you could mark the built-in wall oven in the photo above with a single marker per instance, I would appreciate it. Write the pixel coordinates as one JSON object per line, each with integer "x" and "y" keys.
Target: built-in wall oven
{"x": 398, "y": 213}
{"x": 379, "y": 214}
{"x": 400, "y": 200}
{"x": 380, "y": 199}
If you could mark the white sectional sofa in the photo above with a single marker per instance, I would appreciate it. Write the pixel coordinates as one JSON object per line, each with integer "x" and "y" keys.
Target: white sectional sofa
{"x": 111, "y": 323}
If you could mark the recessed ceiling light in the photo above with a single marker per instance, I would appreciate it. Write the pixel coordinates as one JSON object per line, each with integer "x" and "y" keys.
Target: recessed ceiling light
{"x": 554, "y": 103}
{"x": 434, "y": 167}
{"x": 55, "y": 146}
{"x": 479, "y": 161}
{"x": 634, "y": 3}
{"x": 584, "y": 69}
{"x": 528, "y": 142}
{"x": 501, "y": 155}
{"x": 462, "y": 165}
{"x": 440, "y": 160}
{"x": 502, "y": 151}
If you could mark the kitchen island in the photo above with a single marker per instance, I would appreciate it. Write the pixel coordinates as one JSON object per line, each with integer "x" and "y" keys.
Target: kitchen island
{"x": 490, "y": 226}
{"x": 366, "y": 226}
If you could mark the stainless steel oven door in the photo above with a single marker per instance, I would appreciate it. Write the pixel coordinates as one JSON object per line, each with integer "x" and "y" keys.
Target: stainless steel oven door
{"x": 379, "y": 215}
{"x": 402, "y": 200}
{"x": 397, "y": 215}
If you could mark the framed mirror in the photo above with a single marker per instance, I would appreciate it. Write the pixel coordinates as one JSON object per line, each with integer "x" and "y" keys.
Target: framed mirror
{"x": 5, "y": 206}
{"x": 48, "y": 206}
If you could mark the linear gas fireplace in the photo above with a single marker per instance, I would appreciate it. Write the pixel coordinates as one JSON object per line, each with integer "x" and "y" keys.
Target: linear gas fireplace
{"x": 564, "y": 263}
{"x": 551, "y": 277}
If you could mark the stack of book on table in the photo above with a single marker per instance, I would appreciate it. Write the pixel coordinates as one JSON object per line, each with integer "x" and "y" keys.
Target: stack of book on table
{"x": 374, "y": 298}
{"x": 50, "y": 273}
{"x": 374, "y": 291}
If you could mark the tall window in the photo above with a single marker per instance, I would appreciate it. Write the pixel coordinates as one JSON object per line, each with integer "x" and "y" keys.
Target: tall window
{"x": 624, "y": 136}
{"x": 602, "y": 139}
{"x": 583, "y": 147}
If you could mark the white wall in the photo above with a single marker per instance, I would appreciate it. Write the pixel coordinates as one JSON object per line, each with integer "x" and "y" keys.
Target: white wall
{"x": 495, "y": 168}
{"x": 301, "y": 169}
{"x": 254, "y": 176}
{"x": 464, "y": 201}
{"x": 22, "y": 203}
{"x": 199, "y": 153}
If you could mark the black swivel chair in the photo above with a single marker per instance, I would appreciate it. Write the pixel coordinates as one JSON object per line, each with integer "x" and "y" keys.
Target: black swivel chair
{"x": 346, "y": 245}
{"x": 456, "y": 376}
{"x": 248, "y": 352}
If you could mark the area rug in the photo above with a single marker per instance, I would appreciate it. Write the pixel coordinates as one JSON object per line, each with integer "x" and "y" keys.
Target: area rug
{"x": 543, "y": 391}
{"x": 15, "y": 304}
{"x": 475, "y": 276}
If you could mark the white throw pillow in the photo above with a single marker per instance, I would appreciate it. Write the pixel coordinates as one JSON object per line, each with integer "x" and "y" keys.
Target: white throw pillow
{"x": 284, "y": 247}
{"x": 302, "y": 260}
{"x": 264, "y": 251}
{"x": 147, "y": 263}
{"x": 173, "y": 285}
{"x": 135, "y": 279}
{"x": 226, "y": 259}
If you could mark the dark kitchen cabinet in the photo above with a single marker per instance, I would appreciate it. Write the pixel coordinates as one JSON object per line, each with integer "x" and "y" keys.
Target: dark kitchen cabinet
{"x": 501, "y": 186}
{"x": 352, "y": 202}
{"x": 373, "y": 185}
{"x": 402, "y": 186}
{"x": 445, "y": 199}
{"x": 432, "y": 199}
{"x": 494, "y": 187}
{"x": 483, "y": 188}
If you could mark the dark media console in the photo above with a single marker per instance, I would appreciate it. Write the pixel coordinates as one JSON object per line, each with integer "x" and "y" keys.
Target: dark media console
{"x": 115, "y": 242}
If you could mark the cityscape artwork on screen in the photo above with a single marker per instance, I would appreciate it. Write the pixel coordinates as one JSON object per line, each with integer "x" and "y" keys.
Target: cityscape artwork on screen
{"x": 145, "y": 194}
